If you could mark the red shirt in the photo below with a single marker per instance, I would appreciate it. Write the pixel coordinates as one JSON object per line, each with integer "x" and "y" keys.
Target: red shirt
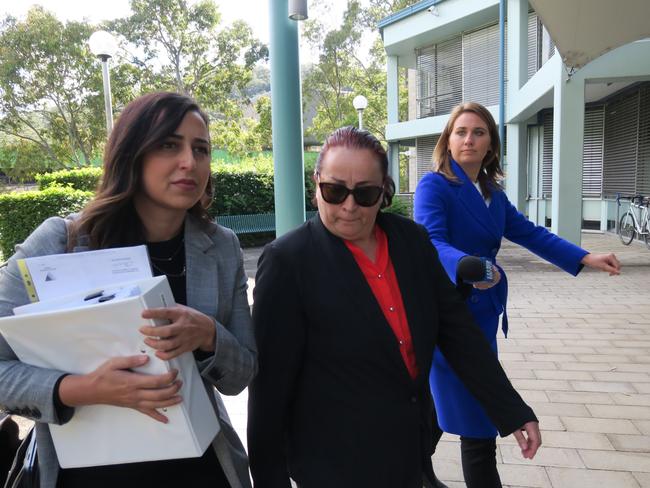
{"x": 381, "y": 278}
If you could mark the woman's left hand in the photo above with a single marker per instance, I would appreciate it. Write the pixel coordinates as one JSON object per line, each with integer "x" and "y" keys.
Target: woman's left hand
{"x": 603, "y": 262}
{"x": 531, "y": 442}
{"x": 189, "y": 330}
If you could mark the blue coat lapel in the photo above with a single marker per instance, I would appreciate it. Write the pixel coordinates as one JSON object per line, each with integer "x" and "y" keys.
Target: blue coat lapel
{"x": 473, "y": 202}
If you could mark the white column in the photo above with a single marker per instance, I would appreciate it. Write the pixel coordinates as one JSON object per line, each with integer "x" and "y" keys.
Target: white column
{"x": 517, "y": 156}
{"x": 517, "y": 45}
{"x": 393, "y": 163}
{"x": 516, "y": 152}
{"x": 392, "y": 89}
{"x": 568, "y": 133}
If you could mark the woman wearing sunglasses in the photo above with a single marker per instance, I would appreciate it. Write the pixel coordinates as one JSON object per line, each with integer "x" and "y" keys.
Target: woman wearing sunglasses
{"x": 348, "y": 308}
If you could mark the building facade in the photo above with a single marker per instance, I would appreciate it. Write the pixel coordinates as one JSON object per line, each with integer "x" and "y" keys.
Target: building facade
{"x": 575, "y": 138}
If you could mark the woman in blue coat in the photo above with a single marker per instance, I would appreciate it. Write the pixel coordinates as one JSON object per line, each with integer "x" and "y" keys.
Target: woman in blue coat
{"x": 467, "y": 213}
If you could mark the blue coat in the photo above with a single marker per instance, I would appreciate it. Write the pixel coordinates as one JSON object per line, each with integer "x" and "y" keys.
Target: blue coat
{"x": 460, "y": 224}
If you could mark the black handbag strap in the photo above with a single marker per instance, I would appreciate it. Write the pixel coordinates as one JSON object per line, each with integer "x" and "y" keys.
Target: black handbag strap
{"x": 24, "y": 470}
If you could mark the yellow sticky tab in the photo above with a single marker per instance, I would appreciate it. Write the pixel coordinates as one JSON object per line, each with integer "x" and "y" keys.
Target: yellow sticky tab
{"x": 27, "y": 280}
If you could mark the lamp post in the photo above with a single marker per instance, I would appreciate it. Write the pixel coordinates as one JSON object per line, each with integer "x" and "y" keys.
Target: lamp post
{"x": 103, "y": 45}
{"x": 360, "y": 103}
{"x": 286, "y": 114}
{"x": 298, "y": 9}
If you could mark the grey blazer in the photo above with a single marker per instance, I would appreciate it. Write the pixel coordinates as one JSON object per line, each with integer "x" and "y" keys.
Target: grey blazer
{"x": 216, "y": 286}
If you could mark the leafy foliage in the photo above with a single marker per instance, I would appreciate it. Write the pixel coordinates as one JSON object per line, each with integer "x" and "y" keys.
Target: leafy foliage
{"x": 50, "y": 88}
{"x": 21, "y": 160}
{"x": 401, "y": 206}
{"x": 184, "y": 48}
{"x": 22, "y": 212}
{"x": 85, "y": 179}
{"x": 342, "y": 72}
{"x": 263, "y": 128}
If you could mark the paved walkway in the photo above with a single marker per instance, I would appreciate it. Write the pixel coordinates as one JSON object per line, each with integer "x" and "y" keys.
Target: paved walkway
{"x": 578, "y": 352}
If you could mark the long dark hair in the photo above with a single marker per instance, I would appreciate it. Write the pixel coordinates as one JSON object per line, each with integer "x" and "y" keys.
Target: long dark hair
{"x": 110, "y": 219}
{"x": 491, "y": 173}
{"x": 353, "y": 138}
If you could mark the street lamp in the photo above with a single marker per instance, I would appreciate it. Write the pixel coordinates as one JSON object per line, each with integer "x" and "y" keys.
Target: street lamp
{"x": 298, "y": 9}
{"x": 103, "y": 45}
{"x": 360, "y": 103}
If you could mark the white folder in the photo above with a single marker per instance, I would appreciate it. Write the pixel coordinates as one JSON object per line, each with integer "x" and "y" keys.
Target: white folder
{"x": 72, "y": 335}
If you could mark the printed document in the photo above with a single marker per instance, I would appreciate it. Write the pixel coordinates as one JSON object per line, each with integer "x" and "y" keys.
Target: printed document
{"x": 57, "y": 275}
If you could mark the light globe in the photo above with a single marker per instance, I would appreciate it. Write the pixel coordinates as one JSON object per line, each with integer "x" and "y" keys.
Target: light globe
{"x": 360, "y": 102}
{"x": 102, "y": 44}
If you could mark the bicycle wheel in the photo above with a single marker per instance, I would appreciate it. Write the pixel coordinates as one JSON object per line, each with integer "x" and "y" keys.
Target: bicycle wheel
{"x": 626, "y": 228}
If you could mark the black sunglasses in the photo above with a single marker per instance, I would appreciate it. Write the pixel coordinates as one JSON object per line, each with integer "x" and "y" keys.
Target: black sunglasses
{"x": 365, "y": 196}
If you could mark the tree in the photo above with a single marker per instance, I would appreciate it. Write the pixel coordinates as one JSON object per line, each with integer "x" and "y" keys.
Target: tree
{"x": 50, "y": 88}
{"x": 343, "y": 71}
{"x": 263, "y": 127}
{"x": 184, "y": 48}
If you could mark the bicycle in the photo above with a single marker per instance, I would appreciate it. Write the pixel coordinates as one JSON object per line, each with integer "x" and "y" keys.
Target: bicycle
{"x": 630, "y": 225}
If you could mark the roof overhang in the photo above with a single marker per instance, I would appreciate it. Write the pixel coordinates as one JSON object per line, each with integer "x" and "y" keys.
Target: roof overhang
{"x": 585, "y": 29}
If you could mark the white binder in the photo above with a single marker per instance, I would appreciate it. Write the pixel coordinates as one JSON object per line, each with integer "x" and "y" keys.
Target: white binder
{"x": 76, "y": 335}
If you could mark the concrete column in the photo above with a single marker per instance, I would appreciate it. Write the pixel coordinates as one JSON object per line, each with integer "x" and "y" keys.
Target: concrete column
{"x": 286, "y": 113}
{"x": 393, "y": 163}
{"x": 517, "y": 43}
{"x": 392, "y": 89}
{"x": 517, "y": 156}
{"x": 568, "y": 132}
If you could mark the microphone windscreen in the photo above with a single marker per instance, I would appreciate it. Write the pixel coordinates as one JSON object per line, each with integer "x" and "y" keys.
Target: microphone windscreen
{"x": 472, "y": 269}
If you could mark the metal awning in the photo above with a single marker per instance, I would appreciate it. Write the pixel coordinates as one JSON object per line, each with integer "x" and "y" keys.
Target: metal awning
{"x": 585, "y": 29}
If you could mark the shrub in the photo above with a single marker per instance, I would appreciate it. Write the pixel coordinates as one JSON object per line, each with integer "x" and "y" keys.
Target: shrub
{"x": 402, "y": 205}
{"x": 248, "y": 191}
{"x": 85, "y": 179}
{"x": 22, "y": 212}
{"x": 20, "y": 161}
{"x": 238, "y": 191}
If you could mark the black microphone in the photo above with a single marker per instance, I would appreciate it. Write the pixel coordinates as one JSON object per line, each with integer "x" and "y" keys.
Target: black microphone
{"x": 472, "y": 269}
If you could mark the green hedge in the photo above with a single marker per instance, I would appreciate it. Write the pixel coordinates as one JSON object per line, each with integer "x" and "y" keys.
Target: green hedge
{"x": 85, "y": 179}
{"x": 239, "y": 189}
{"x": 247, "y": 191}
{"x": 22, "y": 212}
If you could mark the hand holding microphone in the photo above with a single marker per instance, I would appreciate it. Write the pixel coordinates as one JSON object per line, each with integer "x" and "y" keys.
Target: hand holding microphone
{"x": 479, "y": 272}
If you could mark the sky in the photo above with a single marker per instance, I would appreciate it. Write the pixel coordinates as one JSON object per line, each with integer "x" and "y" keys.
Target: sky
{"x": 254, "y": 12}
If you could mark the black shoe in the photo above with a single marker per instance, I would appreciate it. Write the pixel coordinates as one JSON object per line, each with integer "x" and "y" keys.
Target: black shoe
{"x": 436, "y": 483}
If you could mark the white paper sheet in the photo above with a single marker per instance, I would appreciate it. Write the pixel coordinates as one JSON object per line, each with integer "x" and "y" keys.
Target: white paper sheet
{"x": 57, "y": 275}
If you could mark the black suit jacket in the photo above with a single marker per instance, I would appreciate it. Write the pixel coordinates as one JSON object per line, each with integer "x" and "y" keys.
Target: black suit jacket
{"x": 333, "y": 404}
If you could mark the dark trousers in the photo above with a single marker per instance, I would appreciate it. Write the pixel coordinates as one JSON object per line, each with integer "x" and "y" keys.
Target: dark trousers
{"x": 478, "y": 457}
{"x": 479, "y": 462}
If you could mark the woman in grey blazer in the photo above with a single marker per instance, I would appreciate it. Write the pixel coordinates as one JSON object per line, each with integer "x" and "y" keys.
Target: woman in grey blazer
{"x": 156, "y": 171}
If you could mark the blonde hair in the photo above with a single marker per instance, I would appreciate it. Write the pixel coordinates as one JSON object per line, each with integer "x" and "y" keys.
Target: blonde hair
{"x": 491, "y": 173}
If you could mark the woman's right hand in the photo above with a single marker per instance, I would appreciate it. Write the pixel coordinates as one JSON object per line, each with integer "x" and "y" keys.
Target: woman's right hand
{"x": 113, "y": 383}
{"x": 484, "y": 285}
